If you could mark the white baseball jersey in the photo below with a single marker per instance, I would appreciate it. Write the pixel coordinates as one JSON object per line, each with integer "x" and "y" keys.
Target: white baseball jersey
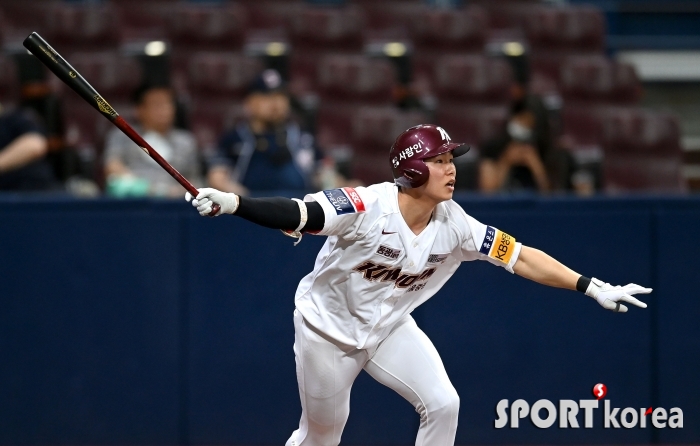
{"x": 373, "y": 270}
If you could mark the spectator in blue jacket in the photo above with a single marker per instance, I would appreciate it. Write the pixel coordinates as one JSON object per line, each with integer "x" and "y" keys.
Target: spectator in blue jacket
{"x": 268, "y": 151}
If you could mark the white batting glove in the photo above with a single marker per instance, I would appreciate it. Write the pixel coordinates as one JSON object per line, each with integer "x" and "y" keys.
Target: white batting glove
{"x": 609, "y": 297}
{"x": 208, "y": 196}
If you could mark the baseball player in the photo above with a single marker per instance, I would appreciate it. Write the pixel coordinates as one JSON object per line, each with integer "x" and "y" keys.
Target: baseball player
{"x": 389, "y": 248}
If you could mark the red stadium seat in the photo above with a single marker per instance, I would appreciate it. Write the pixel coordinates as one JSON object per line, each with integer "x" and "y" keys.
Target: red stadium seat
{"x": 9, "y": 84}
{"x": 374, "y": 129}
{"x": 371, "y": 168}
{"x": 641, "y": 148}
{"x": 472, "y": 78}
{"x": 192, "y": 25}
{"x": 356, "y": 78}
{"x": 113, "y": 75}
{"x": 303, "y": 73}
{"x": 582, "y": 126}
{"x": 598, "y": 79}
{"x": 86, "y": 128}
{"x": 369, "y": 131}
{"x": 504, "y": 14}
{"x": 82, "y": 26}
{"x": 448, "y": 29}
{"x": 221, "y": 75}
{"x": 143, "y": 20}
{"x": 636, "y": 131}
{"x": 471, "y": 124}
{"x": 334, "y": 125}
{"x": 209, "y": 119}
{"x": 4, "y": 26}
{"x": 431, "y": 29}
{"x": 642, "y": 174}
{"x": 327, "y": 28}
{"x": 272, "y": 14}
{"x": 571, "y": 28}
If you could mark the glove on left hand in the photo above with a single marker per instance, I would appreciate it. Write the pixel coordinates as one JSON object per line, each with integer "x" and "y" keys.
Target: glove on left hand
{"x": 609, "y": 297}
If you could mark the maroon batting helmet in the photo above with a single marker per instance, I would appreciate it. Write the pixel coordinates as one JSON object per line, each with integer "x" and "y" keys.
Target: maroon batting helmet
{"x": 413, "y": 146}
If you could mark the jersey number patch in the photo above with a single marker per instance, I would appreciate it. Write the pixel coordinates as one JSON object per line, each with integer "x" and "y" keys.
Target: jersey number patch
{"x": 498, "y": 245}
{"x": 345, "y": 200}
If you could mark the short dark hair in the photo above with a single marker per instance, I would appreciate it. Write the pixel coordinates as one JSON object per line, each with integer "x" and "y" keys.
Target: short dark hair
{"x": 140, "y": 93}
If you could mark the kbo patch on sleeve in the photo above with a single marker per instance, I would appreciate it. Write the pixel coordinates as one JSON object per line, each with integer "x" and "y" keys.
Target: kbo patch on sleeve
{"x": 498, "y": 245}
{"x": 345, "y": 200}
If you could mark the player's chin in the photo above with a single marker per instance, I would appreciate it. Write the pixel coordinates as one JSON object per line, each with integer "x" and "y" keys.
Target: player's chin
{"x": 445, "y": 193}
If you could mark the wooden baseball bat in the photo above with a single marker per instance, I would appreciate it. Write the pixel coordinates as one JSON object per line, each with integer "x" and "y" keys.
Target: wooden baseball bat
{"x": 61, "y": 68}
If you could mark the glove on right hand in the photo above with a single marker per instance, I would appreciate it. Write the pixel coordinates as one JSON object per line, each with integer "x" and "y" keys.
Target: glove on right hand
{"x": 206, "y": 198}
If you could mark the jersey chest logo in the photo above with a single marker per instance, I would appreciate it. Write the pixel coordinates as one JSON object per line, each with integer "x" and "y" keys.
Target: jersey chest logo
{"x": 376, "y": 272}
{"x": 389, "y": 253}
{"x": 437, "y": 258}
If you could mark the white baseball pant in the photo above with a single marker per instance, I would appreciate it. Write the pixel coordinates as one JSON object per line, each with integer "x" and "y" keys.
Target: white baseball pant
{"x": 405, "y": 361}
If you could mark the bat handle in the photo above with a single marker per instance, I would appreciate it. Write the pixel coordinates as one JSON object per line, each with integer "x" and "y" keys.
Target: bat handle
{"x": 214, "y": 210}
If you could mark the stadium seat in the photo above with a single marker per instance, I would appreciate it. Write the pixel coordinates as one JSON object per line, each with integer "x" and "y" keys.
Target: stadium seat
{"x": 86, "y": 128}
{"x": 448, "y": 29}
{"x": 374, "y": 129}
{"x": 143, "y": 20}
{"x": 209, "y": 119}
{"x": 334, "y": 125}
{"x": 471, "y": 124}
{"x": 82, "y": 26}
{"x": 4, "y": 26}
{"x": 303, "y": 73}
{"x": 505, "y": 14}
{"x": 598, "y": 79}
{"x": 571, "y": 28}
{"x": 355, "y": 78}
{"x": 643, "y": 174}
{"x": 641, "y": 148}
{"x": 327, "y": 28}
{"x": 582, "y": 126}
{"x": 221, "y": 74}
{"x": 430, "y": 29}
{"x": 473, "y": 78}
{"x": 9, "y": 84}
{"x": 205, "y": 25}
{"x": 636, "y": 131}
{"x": 112, "y": 74}
{"x": 369, "y": 131}
{"x": 371, "y": 168}
{"x": 272, "y": 14}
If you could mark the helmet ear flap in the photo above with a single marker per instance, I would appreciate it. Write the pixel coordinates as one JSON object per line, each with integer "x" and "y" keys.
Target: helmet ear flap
{"x": 417, "y": 173}
{"x": 411, "y": 174}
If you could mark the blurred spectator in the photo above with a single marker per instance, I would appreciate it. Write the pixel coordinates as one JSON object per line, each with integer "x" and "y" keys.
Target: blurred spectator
{"x": 130, "y": 171}
{"x": 515, "y": 159}
{"x": 23, "y": 147}
{"x": 268, "y": 151}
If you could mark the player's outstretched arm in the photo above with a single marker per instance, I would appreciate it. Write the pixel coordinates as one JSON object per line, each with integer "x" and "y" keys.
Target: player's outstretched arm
{"x": 535, "y": 265}
{"x": 274, "y": 212}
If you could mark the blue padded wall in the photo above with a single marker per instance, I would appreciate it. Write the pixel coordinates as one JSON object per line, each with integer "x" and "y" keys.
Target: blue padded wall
{"x": 140, "y": 322}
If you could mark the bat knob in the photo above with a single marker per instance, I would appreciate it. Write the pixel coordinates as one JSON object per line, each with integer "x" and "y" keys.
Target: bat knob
{"x": 214, "y": 210}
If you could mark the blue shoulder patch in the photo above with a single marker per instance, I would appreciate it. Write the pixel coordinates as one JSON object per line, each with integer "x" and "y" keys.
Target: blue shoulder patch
{"x": 340, "y": 201}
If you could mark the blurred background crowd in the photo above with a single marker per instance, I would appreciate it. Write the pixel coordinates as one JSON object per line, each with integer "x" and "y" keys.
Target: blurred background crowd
{"x": 256, "y": 96}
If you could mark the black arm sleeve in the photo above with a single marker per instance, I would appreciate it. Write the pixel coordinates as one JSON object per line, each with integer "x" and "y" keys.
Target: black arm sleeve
{"x": 280, "y": 213}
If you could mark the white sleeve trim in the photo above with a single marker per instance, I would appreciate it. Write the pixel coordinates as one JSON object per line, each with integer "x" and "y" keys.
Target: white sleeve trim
{"x": 514, "y": 258}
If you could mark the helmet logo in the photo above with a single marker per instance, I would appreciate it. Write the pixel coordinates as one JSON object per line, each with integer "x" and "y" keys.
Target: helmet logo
{"x": 443, "y": 134}
{"x": 408, "y": 152}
